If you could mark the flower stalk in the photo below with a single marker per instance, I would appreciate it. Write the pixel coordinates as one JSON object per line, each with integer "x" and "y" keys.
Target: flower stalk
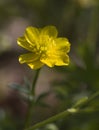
{"x": 31, "y": 102}
{"x": 49, "y": 120}
{"x": 75, "y": 109}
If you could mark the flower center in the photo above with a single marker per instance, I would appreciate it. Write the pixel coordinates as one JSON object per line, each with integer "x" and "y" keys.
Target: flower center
{"x": 44, "y": 46}
{"x": 40, "y": 49}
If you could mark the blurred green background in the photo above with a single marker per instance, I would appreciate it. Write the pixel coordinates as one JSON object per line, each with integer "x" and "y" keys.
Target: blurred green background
{"x": 58, "y": 88}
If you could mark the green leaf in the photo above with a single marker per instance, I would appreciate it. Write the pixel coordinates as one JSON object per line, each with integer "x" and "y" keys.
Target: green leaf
{"x": 19, "y": 88}
{"x": 42, "y": 96}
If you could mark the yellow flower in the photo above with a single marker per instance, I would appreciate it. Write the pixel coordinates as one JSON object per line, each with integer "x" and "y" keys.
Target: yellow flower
{"x": 44, "y": 47}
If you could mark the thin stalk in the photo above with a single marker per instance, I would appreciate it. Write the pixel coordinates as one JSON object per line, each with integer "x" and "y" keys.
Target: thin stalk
{"x": 66, "y": 113}
{"x": 49, "y": 120}
{"x": 31, "y": 102}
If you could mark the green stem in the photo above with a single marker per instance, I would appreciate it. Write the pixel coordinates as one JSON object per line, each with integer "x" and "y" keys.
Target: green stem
{"x": 93, "y": 96}
{"x": 61, "y": 115}
{"x": 31, "y": 102}
{"x": 51, "y": 119}
{"x": 34, "y": 82}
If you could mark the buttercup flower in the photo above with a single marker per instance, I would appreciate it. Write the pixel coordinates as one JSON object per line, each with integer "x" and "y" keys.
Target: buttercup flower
{"x": 44, "y": 47}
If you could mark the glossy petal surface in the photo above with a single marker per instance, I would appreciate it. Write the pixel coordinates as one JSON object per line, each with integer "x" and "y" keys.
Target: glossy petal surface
{"x": 44, "y": 47}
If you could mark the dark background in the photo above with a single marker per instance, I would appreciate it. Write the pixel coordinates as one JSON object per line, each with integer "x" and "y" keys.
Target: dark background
{"x": 61, "y": 87}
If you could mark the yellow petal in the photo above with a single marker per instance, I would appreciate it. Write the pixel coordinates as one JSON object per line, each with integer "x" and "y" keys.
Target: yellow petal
{"x": 48, "y": 62}
{"x": 29, "y": 57}
{"x": 58, "y": 60}
{"x": 62, "y": 44}
{"x": 35, "y": 65}
{"x": 31, "y": 35}
{"x": 23, "y": 43}
{"x": 62, "y": 60}
{"x": 49, "y": 30}
{"x": 45, "y": 47}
